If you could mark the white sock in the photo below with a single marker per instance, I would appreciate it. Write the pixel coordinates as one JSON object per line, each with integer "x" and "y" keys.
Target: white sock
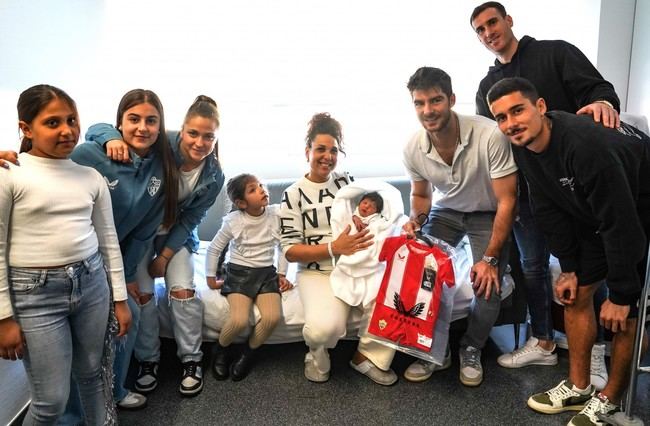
{"x": 585, "y": 391}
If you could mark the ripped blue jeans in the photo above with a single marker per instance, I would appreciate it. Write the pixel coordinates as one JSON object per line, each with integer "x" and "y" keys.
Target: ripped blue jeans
{"x": 186, "y": 314}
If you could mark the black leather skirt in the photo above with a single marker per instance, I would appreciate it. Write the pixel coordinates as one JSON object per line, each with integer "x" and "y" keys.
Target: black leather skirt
{"x": 250, "y": 281}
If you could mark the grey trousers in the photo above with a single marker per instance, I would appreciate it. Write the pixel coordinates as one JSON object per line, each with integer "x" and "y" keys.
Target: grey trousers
{"x": 451, "y": 226}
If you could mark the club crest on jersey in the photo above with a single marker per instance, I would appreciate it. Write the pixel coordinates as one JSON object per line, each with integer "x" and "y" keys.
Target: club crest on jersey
{"x": 382, "y": 324}
{"x": 154, "y": 185}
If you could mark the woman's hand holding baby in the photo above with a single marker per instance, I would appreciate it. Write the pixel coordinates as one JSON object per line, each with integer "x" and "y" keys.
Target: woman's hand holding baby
{"x": 346, "y": 244}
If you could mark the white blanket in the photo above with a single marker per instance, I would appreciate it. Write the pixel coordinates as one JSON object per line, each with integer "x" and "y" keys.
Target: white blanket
{"x": 356, "y": 278}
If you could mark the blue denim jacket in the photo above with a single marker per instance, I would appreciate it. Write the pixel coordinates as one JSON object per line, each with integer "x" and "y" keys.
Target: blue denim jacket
{"x": 136, "y": 190}
{"x": 194, "y": 208}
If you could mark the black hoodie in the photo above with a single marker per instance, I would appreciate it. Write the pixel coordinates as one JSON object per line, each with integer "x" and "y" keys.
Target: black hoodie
{"x": 562, "y": 74}
{"x": 593, "y": 180}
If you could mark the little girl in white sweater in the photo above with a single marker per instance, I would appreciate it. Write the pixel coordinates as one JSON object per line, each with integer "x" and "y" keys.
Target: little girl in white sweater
{"x": 252, "y": 234}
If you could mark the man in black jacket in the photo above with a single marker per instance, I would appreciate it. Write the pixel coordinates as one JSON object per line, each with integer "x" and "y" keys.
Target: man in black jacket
{"x": 568, "y": 82}
{"x": 559, "y": 70}
{"x": 590, "y": 192}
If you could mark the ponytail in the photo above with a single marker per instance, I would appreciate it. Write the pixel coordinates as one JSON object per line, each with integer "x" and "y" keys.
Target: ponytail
{"x": 206, "y": 107}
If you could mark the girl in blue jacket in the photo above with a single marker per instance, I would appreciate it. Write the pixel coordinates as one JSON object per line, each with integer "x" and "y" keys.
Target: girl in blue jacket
{"x": 170, "y": 255}
{"x": 144, "y": 194}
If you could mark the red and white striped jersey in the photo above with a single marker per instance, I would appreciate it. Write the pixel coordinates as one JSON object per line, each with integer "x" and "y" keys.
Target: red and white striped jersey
{"x": 409, "y": 296}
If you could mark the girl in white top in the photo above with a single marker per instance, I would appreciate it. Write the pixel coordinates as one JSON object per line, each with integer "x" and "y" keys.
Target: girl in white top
{"x": 252, "y": 234}
{"x": 307, "y": 239}
{"x": 56, "y": 237}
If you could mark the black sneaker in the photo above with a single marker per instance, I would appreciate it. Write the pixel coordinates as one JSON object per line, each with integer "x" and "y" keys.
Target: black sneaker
{"x": 192, "y": 382}
{"x": 147, "y": 377}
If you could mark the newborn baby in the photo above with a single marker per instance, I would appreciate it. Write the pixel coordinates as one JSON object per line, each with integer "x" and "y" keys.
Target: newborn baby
{"x": 369, "y": 209}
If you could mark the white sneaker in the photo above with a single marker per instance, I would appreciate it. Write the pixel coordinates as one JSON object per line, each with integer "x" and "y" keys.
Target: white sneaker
{"x": 563, "y": 397}
{"x": 374, "y": 373}
{"x": 597, "y": 407}
{"x": 132, "y": 401}
{"x": 471, "y": 370}
{"x": 529, "y": 354}
{"x": 312, "y": 373}
{"x": 147, "y": 379}
{"x": 192, "y": 381}
{"x": 599, "y": 374}
{"x": 421, "y": 370}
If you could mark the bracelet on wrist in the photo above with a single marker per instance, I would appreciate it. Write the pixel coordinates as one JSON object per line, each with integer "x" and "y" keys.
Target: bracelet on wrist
{"x": 331, "y": 253}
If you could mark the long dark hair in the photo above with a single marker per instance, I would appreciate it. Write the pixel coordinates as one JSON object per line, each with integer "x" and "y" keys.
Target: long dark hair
{"x": 161, "y": 147}
{"x": 206, "y": 107}
{"x": 33, "y": 100}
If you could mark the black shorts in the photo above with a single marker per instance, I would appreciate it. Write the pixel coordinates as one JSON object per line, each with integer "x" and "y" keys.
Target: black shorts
{"x": 250, "y": 281}
{"x": 592, "y": 264}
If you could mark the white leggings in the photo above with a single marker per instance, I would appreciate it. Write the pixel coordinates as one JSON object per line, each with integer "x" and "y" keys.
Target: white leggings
{"x": 326, "y": 319}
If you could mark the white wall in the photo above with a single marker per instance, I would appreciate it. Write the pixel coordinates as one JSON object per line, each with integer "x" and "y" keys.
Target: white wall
{"x": 639, "y": 88}
{"x": 615, "y": 44}
{"x": 624, "y": 51}
{"x": 269, "y": 65}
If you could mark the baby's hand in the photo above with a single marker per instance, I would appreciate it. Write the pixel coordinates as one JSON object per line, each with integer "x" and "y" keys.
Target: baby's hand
{"x": 214, "y": 283}
{"x": 358, "y": 223}
{"x": 284, "y": 283}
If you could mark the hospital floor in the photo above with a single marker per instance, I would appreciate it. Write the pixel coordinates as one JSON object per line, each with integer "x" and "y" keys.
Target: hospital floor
{"x": 276, "y": 392}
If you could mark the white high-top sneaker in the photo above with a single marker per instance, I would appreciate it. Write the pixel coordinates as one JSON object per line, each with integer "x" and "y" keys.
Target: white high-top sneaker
{"x": 598, "y": 366}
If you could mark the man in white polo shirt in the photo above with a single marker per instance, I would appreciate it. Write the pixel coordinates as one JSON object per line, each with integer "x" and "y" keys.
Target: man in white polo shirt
{"x": 468, "y": 163}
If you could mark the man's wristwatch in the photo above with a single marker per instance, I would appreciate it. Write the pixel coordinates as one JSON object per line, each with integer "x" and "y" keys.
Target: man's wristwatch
{"x": 492, "y": 261}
